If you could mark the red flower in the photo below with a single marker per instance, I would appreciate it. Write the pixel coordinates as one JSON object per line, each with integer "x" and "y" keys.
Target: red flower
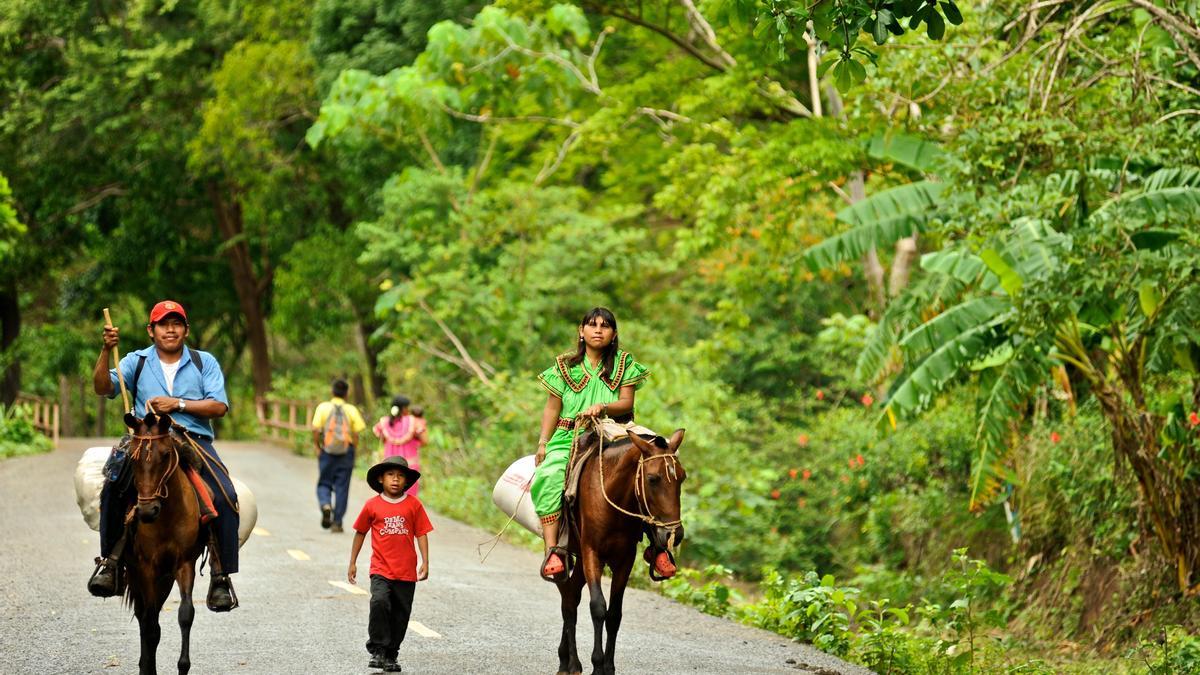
{"x": 775, "y": 493}
{"x": 844, "y": 478}
{"x": 793, "y": 473}
{"x": 867, "y": 400}
{"x": 859, "y": 458}
{"x": 1193, "y": 418}
{"x": 850, "y": 463}
{"x": 802, "y": 502}
{"x": 1054, "y": 437}
{"x": 802, "y": 439}
{"x": 806, "y": 474}
{"x": 820, "y": 395}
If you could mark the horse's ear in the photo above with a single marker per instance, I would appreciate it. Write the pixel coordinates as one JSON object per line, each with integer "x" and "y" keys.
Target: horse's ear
{"x": 641, "y": 444}
{"x": 164, "y": 423}
{"x": 675, "y": 441}
{"x": 131, "y": 421}
{"x": 150, "y": 419}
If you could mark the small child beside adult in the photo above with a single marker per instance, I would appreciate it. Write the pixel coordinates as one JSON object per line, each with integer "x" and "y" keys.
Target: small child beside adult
{"x": 399, "y": 526}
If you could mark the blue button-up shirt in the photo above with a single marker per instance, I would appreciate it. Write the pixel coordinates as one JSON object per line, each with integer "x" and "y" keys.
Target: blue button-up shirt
{"x": 189, "y": 384}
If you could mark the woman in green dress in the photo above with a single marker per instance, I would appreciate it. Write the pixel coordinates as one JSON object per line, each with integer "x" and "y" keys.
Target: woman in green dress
{"x": 598, "y": 380}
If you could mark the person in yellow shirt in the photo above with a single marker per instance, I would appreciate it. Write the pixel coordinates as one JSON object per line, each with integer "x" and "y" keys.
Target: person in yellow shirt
{"x": 336, "y": 425}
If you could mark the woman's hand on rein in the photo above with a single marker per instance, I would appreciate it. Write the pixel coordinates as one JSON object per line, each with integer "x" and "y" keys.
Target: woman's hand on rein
{"x": 594, "y": 411}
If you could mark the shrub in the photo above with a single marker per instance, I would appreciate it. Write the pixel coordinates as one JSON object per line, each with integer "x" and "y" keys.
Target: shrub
{"x": 17, "y": 435}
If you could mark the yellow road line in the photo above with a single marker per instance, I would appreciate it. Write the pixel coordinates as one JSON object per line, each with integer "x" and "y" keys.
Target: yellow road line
{"x": 260, "y": 531}
{"x": 420, "y": 629}
{"x": 298, "y": 554}
{"x": 348, "y": 587}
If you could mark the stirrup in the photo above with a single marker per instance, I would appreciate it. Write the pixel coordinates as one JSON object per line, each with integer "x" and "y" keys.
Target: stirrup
{"x": 568, "y": 565}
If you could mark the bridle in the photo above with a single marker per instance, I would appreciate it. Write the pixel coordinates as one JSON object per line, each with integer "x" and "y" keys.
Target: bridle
{"x": 160, "y": 491}
{"x": 645, "y": 514}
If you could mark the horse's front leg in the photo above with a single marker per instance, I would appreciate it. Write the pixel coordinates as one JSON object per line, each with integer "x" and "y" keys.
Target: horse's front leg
{"x": 593, "y": 571}
{"x": 185, "y": 576}
{"x": 620, "y": 578}
{"x": 151, "y": 632}
{"x": 568, "y": 652}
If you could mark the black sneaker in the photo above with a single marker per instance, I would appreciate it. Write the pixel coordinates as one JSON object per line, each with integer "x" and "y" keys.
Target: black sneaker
{"x": 220, "y": 594}
{"x": 103, "y": 583}
{"x": 326, "y": 516}
{"x": 376, "y": 660}
{"x": 336, "y": 528}
{"x": 390, "y": 665}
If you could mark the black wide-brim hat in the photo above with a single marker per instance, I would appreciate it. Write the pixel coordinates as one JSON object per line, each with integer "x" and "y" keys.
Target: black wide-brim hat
{"x": 389, "y": 464}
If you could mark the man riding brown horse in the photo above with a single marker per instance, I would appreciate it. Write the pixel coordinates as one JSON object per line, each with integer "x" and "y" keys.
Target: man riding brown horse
{"x": 168, "y": 377}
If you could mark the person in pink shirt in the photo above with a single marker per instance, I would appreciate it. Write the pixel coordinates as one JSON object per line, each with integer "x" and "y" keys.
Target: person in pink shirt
{"x": 403, "y": 433}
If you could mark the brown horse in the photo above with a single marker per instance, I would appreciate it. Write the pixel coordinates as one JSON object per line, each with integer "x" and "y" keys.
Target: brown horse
{"x": 633, "y": 488}
{"x": 168, "y": 538}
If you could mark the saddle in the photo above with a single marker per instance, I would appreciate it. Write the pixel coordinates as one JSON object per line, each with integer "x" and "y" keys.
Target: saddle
{"x": 611, "y": 431}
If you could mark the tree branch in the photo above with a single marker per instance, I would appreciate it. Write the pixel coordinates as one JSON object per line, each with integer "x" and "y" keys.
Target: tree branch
{"x": 458, "y": 345}
{"x": 679, "y": 41}
{"x": 548, "y": 168}
{"x": 701, "y": 25}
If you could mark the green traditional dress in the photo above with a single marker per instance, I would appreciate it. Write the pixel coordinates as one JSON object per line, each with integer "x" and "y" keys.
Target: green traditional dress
{"x": 579, "y": 387}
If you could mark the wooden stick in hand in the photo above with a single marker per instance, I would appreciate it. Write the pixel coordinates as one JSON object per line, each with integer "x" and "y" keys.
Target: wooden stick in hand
{"x": 117, "y": 358}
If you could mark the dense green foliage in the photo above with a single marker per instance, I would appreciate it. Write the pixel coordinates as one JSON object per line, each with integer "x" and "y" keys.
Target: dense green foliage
{"x": 18, "y": 435}
{"x": 911, "y": 290}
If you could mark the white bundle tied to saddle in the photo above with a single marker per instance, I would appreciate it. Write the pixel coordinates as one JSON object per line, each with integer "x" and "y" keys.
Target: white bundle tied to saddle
{"x": 511, "y": 493}
{"x": 89, "y": 479}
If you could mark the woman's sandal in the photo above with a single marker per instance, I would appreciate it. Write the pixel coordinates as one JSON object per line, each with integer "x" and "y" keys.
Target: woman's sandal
{"x": 662, "y": 563}
{"x": 561, "y": 571}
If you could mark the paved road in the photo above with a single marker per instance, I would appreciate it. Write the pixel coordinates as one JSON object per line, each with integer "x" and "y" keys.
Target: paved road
{"x": 470, "y": 618}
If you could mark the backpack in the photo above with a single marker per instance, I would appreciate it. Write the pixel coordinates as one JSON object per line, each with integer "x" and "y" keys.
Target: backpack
{"x": 337, "y": 432}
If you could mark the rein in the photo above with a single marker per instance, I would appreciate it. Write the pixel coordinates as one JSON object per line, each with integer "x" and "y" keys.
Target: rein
{"x": 645, "y": 514}
{"x": 161, "y": 491}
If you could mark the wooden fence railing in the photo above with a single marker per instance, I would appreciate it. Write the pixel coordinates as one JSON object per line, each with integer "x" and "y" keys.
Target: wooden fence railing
{"x": 281, "y": 418}
{"x": 44, "y": 412}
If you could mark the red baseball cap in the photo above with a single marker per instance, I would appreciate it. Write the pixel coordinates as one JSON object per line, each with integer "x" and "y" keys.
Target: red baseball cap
{"x": 167, "y": 307}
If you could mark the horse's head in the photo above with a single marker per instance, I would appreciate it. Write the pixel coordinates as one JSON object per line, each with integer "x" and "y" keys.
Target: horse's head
{"x": 155, "y": 457}
{"x": 661, "y": 483}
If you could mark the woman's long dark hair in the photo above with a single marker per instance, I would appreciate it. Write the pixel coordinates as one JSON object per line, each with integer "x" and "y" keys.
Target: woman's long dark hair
{"x": 609, "y": 357}
{"x": 400, "y": 402}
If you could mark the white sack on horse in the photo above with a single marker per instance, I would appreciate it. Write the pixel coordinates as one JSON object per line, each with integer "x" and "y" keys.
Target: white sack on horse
{"x": 511, "y": 494}
{"x": 89, "y": 479}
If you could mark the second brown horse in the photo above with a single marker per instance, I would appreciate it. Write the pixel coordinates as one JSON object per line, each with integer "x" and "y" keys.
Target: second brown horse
{"x": 639, "y": 494}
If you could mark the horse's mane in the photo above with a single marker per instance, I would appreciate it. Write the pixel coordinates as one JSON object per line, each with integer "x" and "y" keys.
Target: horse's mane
{"x": 589, "y": 438}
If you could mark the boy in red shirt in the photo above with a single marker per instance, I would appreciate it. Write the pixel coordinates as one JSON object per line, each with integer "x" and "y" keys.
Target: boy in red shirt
{"x": 395, "y": 520}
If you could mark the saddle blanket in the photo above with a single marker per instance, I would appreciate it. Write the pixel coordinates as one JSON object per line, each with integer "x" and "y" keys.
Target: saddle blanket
{"x": 89, "y": 479}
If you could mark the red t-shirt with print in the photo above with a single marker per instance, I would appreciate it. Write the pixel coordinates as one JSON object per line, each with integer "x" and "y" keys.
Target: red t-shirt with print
{"x": 394, "y": 528}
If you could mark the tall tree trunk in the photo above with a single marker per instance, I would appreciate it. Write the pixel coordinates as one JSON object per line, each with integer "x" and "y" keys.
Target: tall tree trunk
{"x": 362, "y": 335}
{"x": 872, "y": 268}
{"x": 906, "y": 255}
{"x": 101, "y": 413}
{"x": 247, "y": 283}
{"x": 66, "y": 417}
{"x": 10, "y": 328}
